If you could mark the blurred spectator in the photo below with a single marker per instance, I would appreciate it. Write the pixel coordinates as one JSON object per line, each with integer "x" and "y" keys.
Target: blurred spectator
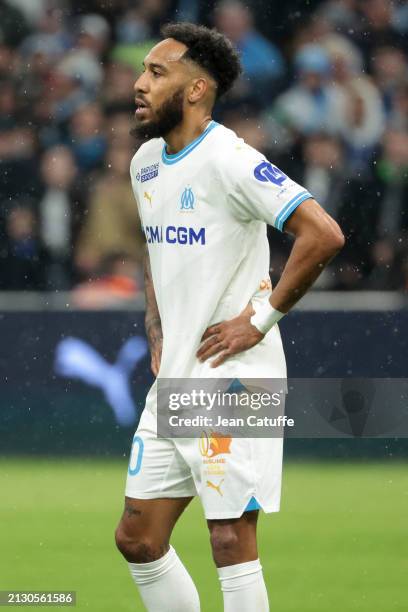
{"x": 118, "y": 127}
{"x": 13, "y": 26}
{"x": 87, "y": 137}
{"x": 112, "y": 223}
{"x": 117, "y": 93}
{"x": 84, "y": 68}
{"x": 8, "y": 104}
{"x": 118, "y": 281}
{"x": 81, "y": 67}
{"x": 8, "y": 61}
{"x": 156, "y": 13}
{"x": 51, "y": 38}
{"x": 392, "y": 177}
{"x": 349, "y": 107}
{"x": 60, "y": 211}
{"x": 134, "y": 26}
{"x": 389, "y": 265}
{"x": 17, "y": 157}
{"x": 341, "y": 14}
{"x": 312, "y": 105}
{"x": 93, "y": 34}
{"x": 33, "y": 10}
{"x": 400, "y": 17}
{"x": 377, "y": 29}
{"x": 322, "y": 168}
{"x": 33, "y": 75}
{"x": 324, "y": 171}
{"x": 63, "y": 94}
{"x": 389, "y": 71}
{"x": 346, "y": 60}
{"x": 375, "y": 212}
{"x": 22, "y": 256}
{"x": 364, "y": 120}
{"x": 398, "y": 118}
{"x": 262, "y": 61}
{"x": 110, "y": 10}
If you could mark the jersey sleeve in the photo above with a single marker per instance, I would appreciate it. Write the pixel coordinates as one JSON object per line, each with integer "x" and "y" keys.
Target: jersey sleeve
{"x": 257, "y": 189}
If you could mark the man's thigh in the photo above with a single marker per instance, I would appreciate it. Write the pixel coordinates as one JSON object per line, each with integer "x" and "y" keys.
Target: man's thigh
{"x": 151, "y": 518}
{"x": 145, "y": 528}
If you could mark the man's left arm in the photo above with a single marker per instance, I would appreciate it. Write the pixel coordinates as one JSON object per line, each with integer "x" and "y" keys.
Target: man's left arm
{"x": 317, "y": 240}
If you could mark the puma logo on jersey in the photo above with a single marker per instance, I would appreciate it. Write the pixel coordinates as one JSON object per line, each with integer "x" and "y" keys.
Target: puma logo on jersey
{"x": 148, "y": 197}
{"x": 217, "y": 487}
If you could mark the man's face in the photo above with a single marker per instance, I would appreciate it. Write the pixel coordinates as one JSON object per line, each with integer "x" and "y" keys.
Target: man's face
{"x": 160, "y": 90}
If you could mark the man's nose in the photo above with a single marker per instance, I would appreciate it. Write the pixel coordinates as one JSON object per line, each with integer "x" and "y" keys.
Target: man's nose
{"x": 140, "y": 83}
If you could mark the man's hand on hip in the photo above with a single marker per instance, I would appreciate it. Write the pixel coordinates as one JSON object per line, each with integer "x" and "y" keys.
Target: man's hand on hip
{"x": 229, "y": 338}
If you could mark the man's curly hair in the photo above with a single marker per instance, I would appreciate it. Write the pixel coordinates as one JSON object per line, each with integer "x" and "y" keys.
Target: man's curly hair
{"x": 209, "y": 49}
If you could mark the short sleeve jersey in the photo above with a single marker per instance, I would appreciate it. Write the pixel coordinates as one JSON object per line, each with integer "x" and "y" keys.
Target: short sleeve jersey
{"x": 204, "y": 213}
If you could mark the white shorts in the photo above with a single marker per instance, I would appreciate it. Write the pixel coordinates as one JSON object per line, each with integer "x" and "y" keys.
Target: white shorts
{"x": 229, "y": 475}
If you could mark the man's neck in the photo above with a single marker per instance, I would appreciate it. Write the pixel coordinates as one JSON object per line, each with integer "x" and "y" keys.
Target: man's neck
{"x": 185, "y": 133}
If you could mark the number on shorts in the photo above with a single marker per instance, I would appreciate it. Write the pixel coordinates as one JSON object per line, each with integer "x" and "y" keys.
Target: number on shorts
{"x": 140, "y": 446}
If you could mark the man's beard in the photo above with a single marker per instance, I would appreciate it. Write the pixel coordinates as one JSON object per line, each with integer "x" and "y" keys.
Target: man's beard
{"x": 168, "y": 116}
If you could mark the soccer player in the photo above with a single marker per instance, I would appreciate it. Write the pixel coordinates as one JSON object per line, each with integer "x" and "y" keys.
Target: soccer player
{"x": 205, "y": 199}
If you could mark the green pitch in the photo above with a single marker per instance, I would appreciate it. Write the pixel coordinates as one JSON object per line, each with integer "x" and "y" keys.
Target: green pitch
{"x": 339, "y": 544}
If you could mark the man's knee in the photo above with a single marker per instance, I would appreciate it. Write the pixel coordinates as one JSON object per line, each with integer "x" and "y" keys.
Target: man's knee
{"x": 224, "y": 541}
{"x": 139, "y": 547}
{"x": 234, "y": 541}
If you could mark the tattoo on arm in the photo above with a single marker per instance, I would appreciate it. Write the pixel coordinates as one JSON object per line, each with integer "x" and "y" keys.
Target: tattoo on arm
{"x": 152, "y": 319}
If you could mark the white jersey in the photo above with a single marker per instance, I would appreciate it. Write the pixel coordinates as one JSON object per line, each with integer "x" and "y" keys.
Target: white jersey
{"x": 204, "y": 212}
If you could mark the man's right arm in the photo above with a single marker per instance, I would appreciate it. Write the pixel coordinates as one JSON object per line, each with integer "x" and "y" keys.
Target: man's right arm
{"x": 152, "y": 318}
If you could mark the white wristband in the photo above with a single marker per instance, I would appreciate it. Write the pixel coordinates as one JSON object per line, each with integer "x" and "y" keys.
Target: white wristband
{"x": 265, "y": 316}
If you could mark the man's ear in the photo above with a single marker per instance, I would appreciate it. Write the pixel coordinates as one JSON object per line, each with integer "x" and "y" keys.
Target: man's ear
{"x": 197, "y": 90}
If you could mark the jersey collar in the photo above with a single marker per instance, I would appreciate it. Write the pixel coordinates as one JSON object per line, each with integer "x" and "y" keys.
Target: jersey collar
{"x": 172, "y": 159}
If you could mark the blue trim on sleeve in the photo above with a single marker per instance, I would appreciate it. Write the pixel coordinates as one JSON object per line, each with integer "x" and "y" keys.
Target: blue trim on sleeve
{"x": 288, "y": 209}
{"x": 174, "y": 158}
{"x": 253, "y": 504}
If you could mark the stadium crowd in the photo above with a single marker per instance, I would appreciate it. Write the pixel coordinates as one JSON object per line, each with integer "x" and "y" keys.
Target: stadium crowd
{"x": 324, "y": 95}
